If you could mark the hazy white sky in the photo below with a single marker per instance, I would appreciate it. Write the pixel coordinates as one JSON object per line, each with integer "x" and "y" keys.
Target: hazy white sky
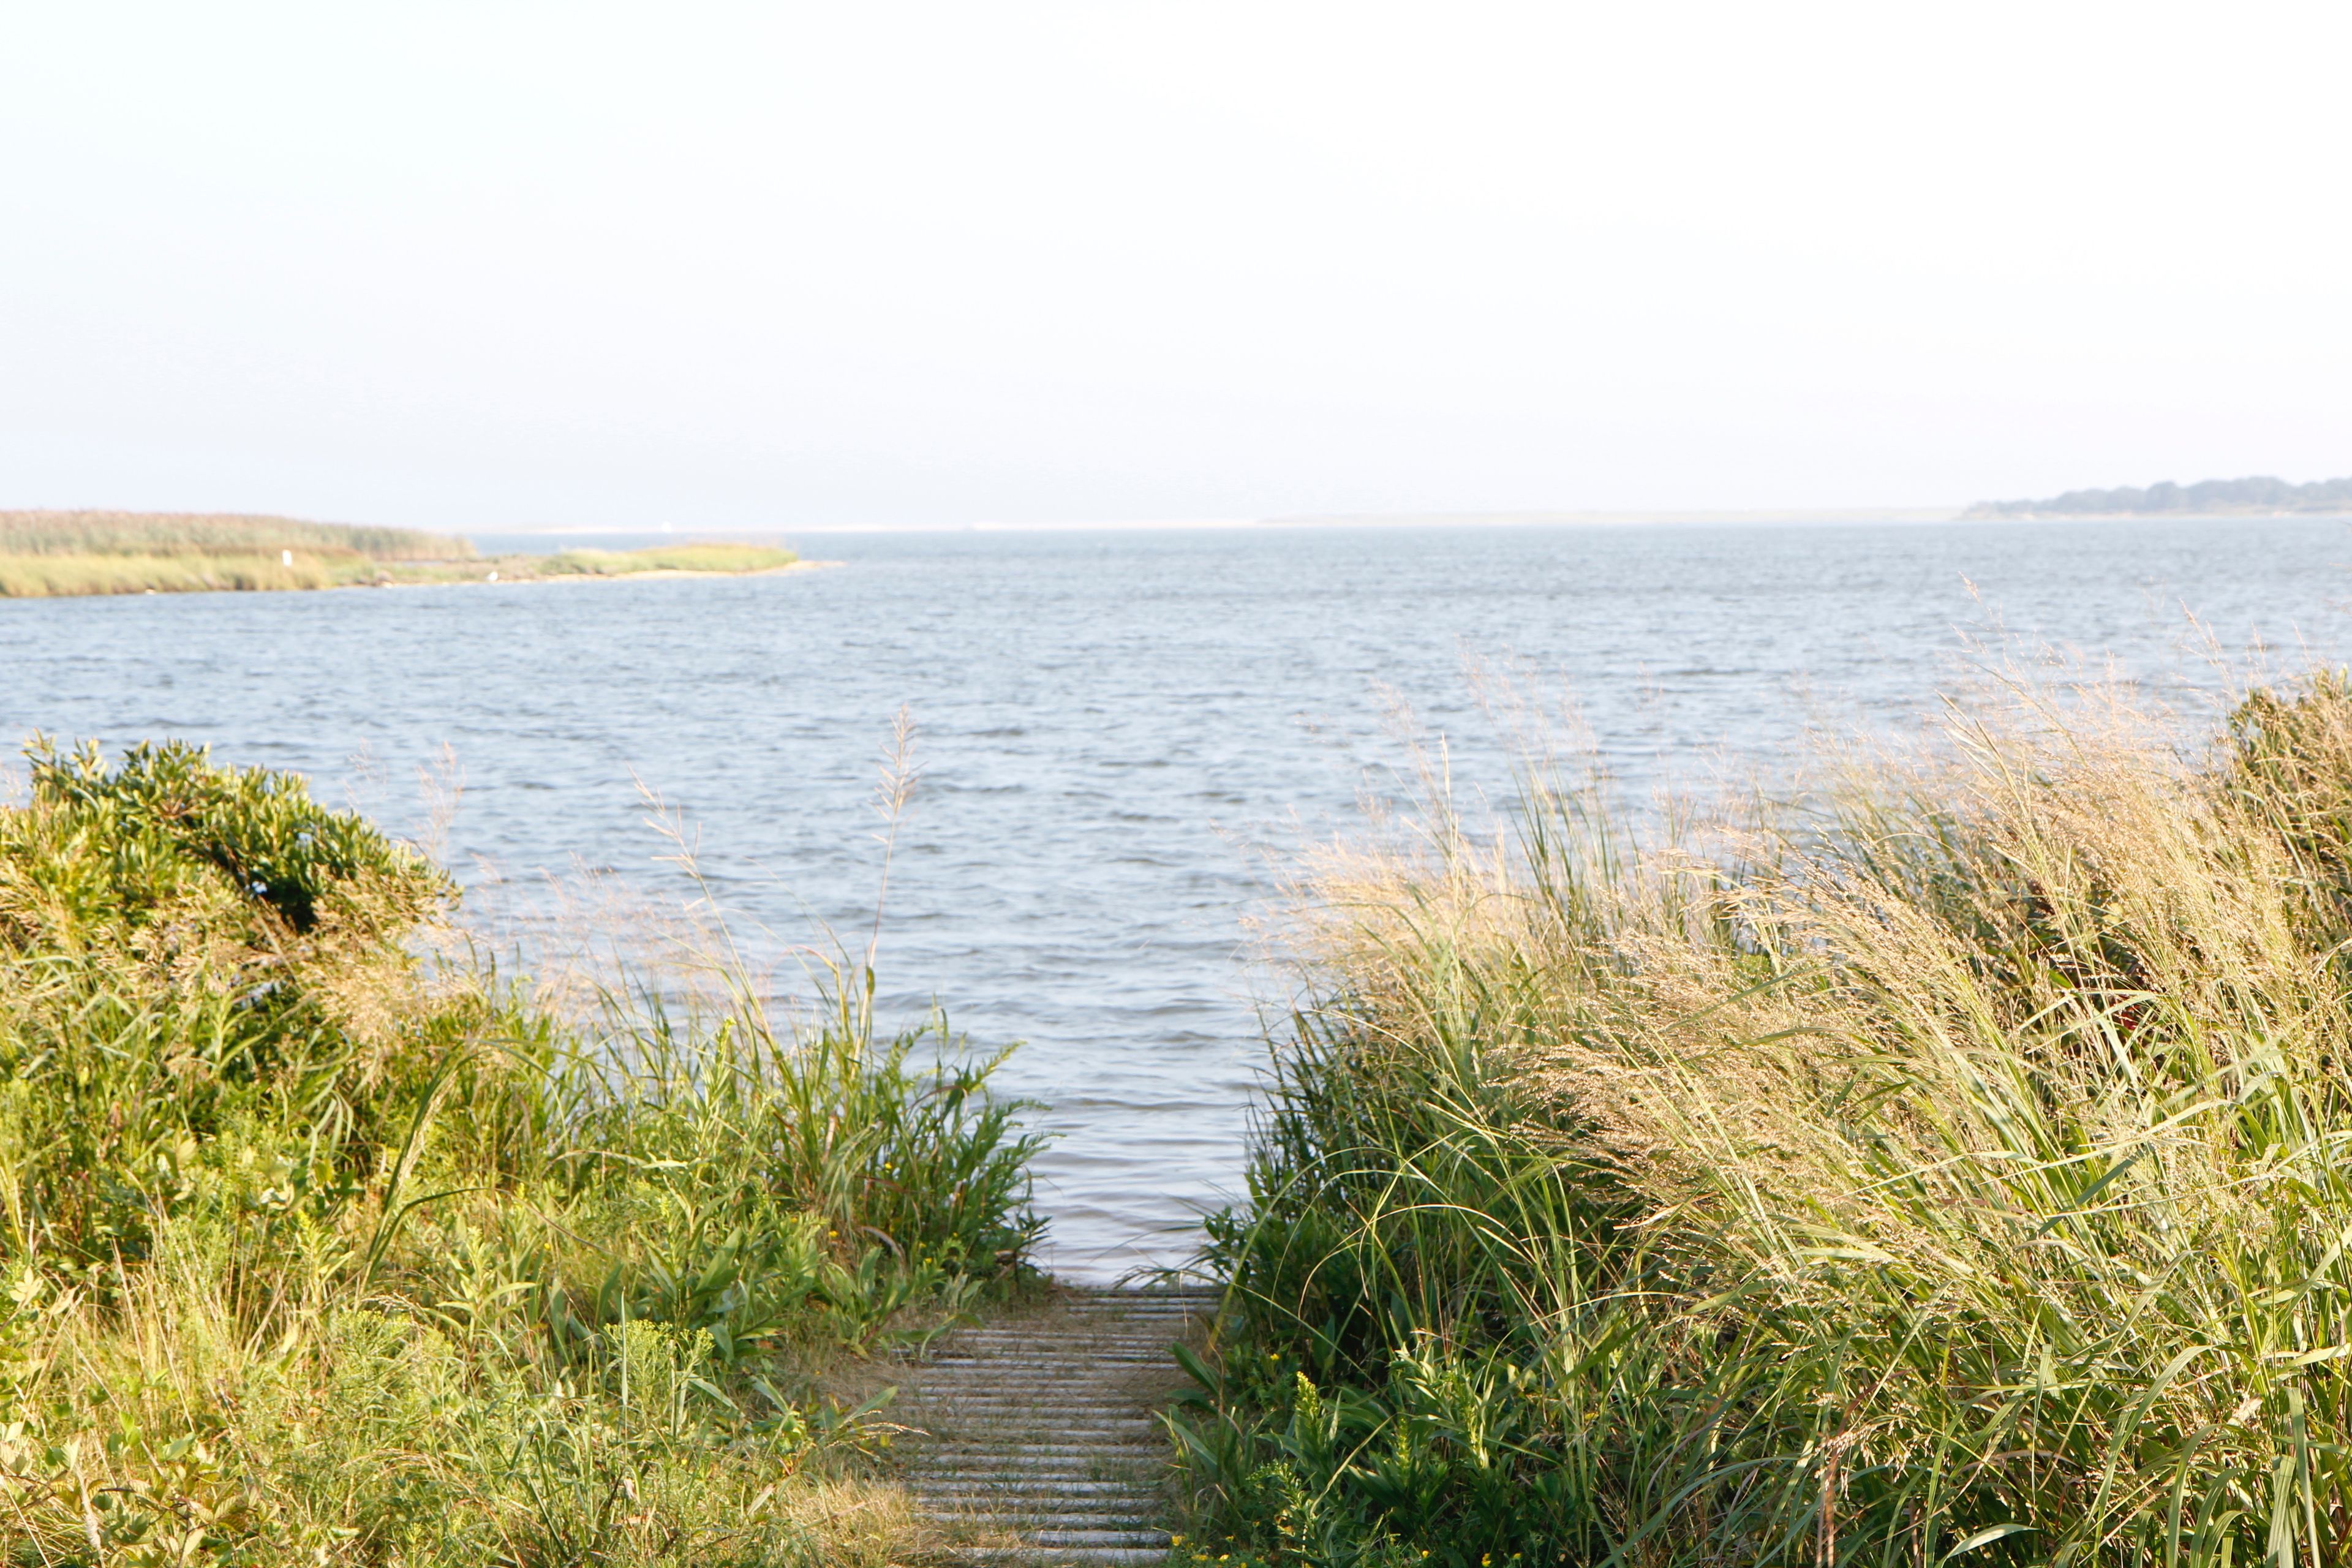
{"x": 488, "y": 266}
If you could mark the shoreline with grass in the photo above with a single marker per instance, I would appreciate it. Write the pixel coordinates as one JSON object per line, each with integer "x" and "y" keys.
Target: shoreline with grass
{"x": 1953, "y": 1166}
{"x": 61, "y": 554}
{"x": 1950, "y": 1164}
{"x": 325, "y": 1241}
{"x": 610, "y": 566}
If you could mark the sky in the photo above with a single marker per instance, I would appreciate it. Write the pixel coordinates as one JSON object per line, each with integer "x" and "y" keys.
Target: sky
{"x": 502, "y": 267}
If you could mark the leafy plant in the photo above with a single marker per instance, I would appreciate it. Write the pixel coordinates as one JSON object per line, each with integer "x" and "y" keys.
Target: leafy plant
{"x": 315, "y": 1252}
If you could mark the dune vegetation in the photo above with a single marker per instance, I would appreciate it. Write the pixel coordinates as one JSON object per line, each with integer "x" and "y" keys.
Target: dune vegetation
{"x": 322, "y": 1242}
{"x": 52, "y": 554}
{"x": 1956, "y": 1168}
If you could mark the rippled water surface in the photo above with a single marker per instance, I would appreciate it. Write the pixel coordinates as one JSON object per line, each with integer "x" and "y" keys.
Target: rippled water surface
{"x": 1115, "y": 727}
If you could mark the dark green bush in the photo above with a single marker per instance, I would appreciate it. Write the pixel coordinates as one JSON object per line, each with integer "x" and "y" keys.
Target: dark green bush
{"x": 185, "y": 949}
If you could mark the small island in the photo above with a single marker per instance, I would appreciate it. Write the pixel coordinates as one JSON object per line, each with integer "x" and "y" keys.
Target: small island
{"x": 53, "y": 555}
{"x": 2262, "y": 495}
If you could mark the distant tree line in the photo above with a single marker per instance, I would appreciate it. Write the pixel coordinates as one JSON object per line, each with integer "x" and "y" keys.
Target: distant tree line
{"x": 2263, "y": 493}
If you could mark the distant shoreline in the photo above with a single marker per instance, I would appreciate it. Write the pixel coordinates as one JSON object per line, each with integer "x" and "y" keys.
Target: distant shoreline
{"x": 2257, "y": 495}
{"x": 2337, "y": 514}
{"x": 1909, "y": 517}
{"x": 526, "y": 578}
{"x": 95, "y": 554}
{"x": 132, "y": 577}
{"x": 1844, "y": 516}
{"x": 1333, "y": 519}
{"x": 1615, "y": 519}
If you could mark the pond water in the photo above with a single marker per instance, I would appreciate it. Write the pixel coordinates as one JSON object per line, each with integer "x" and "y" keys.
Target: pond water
{"x": 1116, "y": 729}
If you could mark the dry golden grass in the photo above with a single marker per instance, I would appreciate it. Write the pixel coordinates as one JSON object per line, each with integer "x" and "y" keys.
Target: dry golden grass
{"x": 144, "y": 533}
{"x": 74, "y": 554}
{"x": 54, "y": 554}
{"x": 73, "y": 576}
{"x": 1955, "y": 1162}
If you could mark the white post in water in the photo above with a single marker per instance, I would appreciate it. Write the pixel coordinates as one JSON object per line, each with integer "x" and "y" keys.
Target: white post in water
{"x": 286, "y": 558}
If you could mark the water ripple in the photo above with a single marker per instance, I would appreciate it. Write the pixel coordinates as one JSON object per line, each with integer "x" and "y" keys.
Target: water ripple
{"x": 1114, "y": 727}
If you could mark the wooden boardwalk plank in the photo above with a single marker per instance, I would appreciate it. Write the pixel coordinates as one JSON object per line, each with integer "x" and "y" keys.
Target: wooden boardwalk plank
{"x": 1032, "y": 1439}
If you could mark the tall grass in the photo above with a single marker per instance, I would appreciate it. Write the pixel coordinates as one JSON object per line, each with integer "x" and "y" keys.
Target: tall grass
{"x": 65, "y": 555}
{"x": 316, "y": 1253}
{"x": 54, "y": 554}
{"x": 152, "y": 534}
{"x": 1956, "y": 1171}
{"x": 78, "y": 576}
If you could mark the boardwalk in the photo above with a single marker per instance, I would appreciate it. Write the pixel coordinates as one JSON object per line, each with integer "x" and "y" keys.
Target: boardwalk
{"x": 1036, "y": 1442}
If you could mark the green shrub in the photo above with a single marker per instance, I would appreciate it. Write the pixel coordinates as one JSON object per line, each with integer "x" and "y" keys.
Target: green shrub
{"x": 315, "y": 1251}
{"x": 190, "y": 954}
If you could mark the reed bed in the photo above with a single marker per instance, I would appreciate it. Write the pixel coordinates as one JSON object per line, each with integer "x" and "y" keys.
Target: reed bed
{"x": 1953, "y": 1169}
{"x": 316, "y": 1252}
{"x": 56, "y": 554}
{"x": 59, "y": 574}
{"x": 76, "y": 577}
{"x": 139, "y": 533}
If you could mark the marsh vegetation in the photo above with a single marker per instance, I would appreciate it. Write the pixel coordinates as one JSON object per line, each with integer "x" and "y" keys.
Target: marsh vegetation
{"x": 1951, "y": 1167}
{"x": 318, "y": 1248}
{"x": 58, "y": 554}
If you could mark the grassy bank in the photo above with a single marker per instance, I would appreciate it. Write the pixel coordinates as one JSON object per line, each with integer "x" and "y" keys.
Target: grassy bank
{"x": 659, "y": 557}
{"x": 51, "y": 555}
{"x": 1956, "y": 1171}
{"x": 152, "y": 534}
{"x": 317, "y": 1252}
